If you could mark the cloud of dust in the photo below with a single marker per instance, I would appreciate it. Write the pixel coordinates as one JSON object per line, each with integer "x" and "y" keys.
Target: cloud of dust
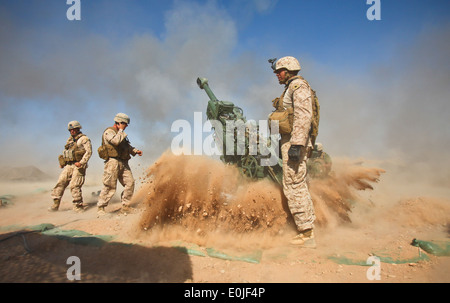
{"x": 202, "y": 193}
{"x": 202, "y": 200}
{"x": 199, "y": 198}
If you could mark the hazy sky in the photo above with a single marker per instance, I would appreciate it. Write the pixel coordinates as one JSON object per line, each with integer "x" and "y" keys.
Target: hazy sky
{"x": 383, "y": 85}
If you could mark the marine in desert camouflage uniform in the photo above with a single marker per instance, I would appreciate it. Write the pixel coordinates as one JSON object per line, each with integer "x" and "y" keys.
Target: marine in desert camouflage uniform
{"x": 77, "y": 152}
{"x": 119, "y": 149}
{"x": 295, "y": 147}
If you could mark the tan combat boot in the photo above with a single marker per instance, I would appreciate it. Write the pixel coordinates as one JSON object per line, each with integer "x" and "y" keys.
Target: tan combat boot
{"x": 78, "y": 207}
{"x": 305, "y": 239}
{"x": 55, "y": 205}
{"x": 101, "y": 211}
{"x": 126, "y": 209}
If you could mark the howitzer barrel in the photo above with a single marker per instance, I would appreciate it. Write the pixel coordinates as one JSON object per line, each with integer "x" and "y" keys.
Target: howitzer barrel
{"x": 203, "y": 84}
{"x": 238, "y": 139}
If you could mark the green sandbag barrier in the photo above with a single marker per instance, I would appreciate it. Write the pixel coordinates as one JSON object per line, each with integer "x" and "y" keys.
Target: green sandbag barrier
{"x": 347, "y": 261}
{"x": 78, "y": 236}
{"x": 421, "y": 257}
{"x": 41, "y": 227}
{"x": 71, "y": 235}
{"x": 195, "y": 250}
{"x": 189, "y": 248}
{"x": 437, "y": 248}
{"x": 36, "y": 228}
{"x": 255, "y": 257}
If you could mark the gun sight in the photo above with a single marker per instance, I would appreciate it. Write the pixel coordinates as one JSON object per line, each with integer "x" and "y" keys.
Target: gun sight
{"x": 272, "y": 62}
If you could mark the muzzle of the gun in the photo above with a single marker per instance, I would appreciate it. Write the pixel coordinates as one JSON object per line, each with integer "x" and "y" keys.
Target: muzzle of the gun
{"x": 203, "y": 84}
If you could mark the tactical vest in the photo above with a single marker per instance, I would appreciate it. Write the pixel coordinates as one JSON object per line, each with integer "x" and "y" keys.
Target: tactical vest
{"x": 107, "y": 150}
{"x": 72, "y": 152}
{"x": 285, "y": 115}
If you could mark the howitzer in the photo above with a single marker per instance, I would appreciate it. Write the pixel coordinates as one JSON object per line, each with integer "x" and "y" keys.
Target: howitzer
{"x": 240, "y": 140}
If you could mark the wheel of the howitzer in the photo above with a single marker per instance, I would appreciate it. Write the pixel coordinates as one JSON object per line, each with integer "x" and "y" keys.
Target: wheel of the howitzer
{"x": 248, "y": 166}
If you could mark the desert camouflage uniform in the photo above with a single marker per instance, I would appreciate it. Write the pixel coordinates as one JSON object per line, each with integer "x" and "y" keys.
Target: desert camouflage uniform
{"x": 117, "y": 168}
{"x": 71, "y": 175}
{"x": 298, "y": 94}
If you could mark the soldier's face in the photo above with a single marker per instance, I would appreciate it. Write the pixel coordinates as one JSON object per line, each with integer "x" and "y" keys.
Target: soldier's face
{"x": 281, "y": 75}
{"x": 74, "y": 131}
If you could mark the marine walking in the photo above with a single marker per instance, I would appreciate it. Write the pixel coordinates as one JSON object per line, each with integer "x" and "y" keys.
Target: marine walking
{"x": 74, "y": 162}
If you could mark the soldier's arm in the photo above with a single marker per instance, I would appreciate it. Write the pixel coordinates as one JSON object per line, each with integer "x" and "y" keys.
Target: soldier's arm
{"x": 86, "y": 142}
{"x": 134, "y": 151}
{"x": 114, "y": 138}
{"x": 302, "y": 115}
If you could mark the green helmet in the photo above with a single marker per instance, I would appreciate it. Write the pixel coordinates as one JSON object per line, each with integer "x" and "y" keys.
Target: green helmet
{"x": 73, "y": 124}
{"x": 121, "y": 117}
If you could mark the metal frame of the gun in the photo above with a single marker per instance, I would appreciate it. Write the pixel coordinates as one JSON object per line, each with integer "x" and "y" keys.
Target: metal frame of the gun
{"x": 244, "y": 162}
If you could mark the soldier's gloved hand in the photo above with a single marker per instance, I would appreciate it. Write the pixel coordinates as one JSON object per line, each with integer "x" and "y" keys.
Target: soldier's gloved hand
{"x": 294, "y": 153}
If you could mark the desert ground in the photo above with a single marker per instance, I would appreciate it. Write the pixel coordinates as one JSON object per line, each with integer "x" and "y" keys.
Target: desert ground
{"x": 194, "y": 220}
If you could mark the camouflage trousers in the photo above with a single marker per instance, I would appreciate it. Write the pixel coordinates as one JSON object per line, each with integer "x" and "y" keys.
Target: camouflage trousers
{"x": 116, "y": 169}
{"x": 296, "y": 189}
{"x": 73, "y": 177}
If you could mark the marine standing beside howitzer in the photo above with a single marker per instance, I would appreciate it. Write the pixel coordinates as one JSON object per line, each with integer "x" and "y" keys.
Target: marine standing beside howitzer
{"x": 295, "y": 106}
{"x": 116, "y": 150}
{"x": 77, "y": 152}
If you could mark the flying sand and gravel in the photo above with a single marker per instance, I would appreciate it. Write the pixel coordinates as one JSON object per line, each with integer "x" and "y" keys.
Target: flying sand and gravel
{"x": 201, "y": 203}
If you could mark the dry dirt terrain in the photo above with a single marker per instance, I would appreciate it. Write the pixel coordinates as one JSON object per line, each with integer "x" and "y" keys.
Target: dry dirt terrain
{"x": 195, "y": 220}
